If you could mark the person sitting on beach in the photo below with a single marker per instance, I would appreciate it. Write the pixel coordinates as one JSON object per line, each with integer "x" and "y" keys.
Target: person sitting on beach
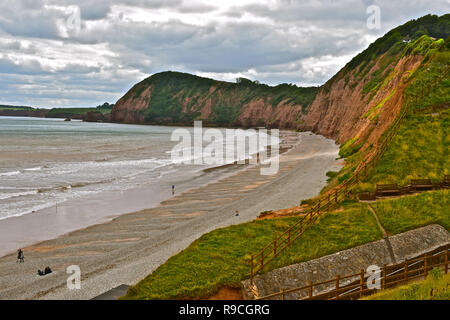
{"x": 41, "y": 273}
{"x": 47, "y": 270}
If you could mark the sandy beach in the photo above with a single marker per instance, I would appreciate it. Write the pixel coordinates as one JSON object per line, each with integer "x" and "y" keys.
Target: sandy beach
{"x": 128, "y": 248}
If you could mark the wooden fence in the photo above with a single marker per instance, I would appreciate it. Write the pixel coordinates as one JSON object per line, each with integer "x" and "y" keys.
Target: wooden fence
{"x": 323, "y": 204}
{"x": 354, "y": 286}
{"x": 416, "y": 185}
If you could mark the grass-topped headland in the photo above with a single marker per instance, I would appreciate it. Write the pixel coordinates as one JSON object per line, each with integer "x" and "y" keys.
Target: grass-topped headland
{"x": 9, "y": 107}
{"x": 431, "y": 25}
{"x": 102, "y": 111}
{"x": 180, "y": 98}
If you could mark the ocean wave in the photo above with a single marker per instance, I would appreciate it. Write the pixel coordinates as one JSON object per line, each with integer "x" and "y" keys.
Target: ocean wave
{"x": 33, "y": 169}
{"x": 28, "y": 211}
{"x": 17, "y": 172}
{"x": 6, "y": 196}
{"x": 126, "y": 162}
{"x": 11, "y": 173}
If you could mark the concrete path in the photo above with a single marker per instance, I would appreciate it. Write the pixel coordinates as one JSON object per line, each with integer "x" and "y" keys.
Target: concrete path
{"x": 113, "y": 294}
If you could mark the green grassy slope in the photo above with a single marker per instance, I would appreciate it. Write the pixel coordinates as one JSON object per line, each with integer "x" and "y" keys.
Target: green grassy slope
{"x": 221, "y": 257}
{"x": 412, "y": 212}
{"x": 435, "y": 287}
{"x": 420, "y": 148}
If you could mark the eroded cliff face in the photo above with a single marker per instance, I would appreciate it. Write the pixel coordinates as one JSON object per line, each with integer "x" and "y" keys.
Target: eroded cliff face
{"x": 343, "y": 111}
{"x": 177, "y": 98}
{"x": 129, "y": 108}
{"x": 283, "y": 115}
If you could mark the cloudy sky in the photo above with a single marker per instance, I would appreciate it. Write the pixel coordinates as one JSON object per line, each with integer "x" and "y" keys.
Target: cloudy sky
{"x": 84, "y": 52}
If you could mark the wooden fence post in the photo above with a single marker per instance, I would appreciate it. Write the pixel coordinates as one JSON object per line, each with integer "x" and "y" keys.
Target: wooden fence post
{"x": 251, "y": 272}
{"x": 301, "y": 226}
{"x": 406, "y": 270}
{"x": 446, "y": 261}
{"x": 425, "y": 265}
{"x": 282, "y": 294}
{"x": 383, "y": 280}
{"x": 361, "y": 283}
{"x": 337, "y": 287}
{"x": 336, "y": 196}
{"x": 275, "y": 247}
{"x": 310, "y": 290}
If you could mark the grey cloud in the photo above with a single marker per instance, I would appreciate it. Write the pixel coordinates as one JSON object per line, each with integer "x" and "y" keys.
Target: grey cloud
{"x": 196, "y": 8}
{"x": 272, "y": 46}
{"x": 28, "y": 67}
{"x": 28, "y": 18}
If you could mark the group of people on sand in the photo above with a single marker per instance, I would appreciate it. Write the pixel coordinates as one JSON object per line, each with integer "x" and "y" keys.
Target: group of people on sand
{"x": 46, "y": 271}
{"x": 21, "y": 259}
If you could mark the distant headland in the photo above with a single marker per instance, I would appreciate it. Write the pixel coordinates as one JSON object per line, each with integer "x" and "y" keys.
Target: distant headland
{"x": 90, "y": 114}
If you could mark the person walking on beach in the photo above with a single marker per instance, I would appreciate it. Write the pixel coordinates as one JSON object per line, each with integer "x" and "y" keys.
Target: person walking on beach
{"x": 173, "y": 189}
{"x": 20, "y": 256}
{"x": 236, "y": 213}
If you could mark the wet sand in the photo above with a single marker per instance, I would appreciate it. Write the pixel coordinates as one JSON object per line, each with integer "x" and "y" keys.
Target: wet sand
{"x": 128, "y": 248}
{"x": 75, "y": 214}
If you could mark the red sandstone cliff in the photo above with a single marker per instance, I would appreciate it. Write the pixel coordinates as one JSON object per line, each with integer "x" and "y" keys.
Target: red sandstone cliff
{"x": 342, "y": 111}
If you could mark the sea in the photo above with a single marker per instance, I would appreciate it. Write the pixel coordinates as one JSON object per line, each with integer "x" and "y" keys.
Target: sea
{"x": 59, "y": 176}
{"x": 47, "y": 162}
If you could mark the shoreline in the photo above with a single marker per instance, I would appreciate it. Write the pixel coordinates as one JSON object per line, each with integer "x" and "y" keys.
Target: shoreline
{"x": 59, "y": 219}
{"x": 129, "y": 247}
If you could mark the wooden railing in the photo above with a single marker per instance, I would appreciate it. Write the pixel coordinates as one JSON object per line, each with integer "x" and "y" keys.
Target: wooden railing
{"x": 354, "y": 286}
{"x": 323, "y": 204}
{"x": 416, "y": 185}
